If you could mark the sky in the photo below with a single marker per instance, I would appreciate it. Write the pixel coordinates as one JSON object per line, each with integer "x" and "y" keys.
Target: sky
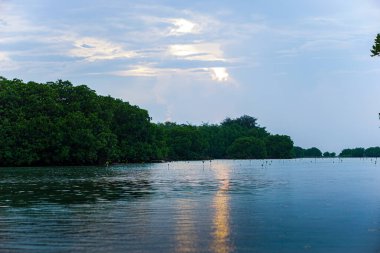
{"x": 301, "y": 67}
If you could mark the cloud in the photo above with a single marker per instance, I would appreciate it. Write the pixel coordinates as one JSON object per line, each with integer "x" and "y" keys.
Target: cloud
{"x": 219, "y": 74}
{"x": 93, "y": 49}
{"x": 151, "y": 71}
{"x": 6, "y": 62}
{"x": 183, "y": 26}
{"x": 197, "y": 51}
{"x": 161, "y": 28}
{"x": 139, "y": 70}
{"x": 178, "y": 22}
{"x": 3, "y": 56}
{"x": 13, "y": 21}
{"x": 170, "y": 41}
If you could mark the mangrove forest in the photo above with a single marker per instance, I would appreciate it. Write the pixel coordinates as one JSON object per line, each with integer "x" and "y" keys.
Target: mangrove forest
{"x": 57, "y": 123}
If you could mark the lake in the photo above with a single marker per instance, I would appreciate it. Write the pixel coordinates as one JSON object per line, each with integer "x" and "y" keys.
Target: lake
{"x": 300, "y": 205}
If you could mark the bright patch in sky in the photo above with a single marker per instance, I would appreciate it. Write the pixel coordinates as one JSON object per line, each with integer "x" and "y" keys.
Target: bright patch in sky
{"x": 183, "y": 26}
{"x": 97, "y": 49}
{"x": 138, "y": 71}
{"x": 3, "y": 56}
{"x": 219, "y": 74}
{"x": 199, "y": 51}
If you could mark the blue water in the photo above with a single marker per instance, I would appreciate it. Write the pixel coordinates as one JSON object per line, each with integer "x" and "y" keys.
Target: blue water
{"x": 303, "y": 205}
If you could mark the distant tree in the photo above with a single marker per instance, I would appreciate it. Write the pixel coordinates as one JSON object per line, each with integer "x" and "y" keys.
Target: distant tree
{"x": 326, "y": 154}
{"x": 372, "y": 152}
{"x": 346, "y": 153}
{"x": 247, "y": 148}
{"x": 185, "y": 142}
{"x": 298, "y": 152}
{"x": 356, "y": 152}
{"x": 332, "y": 154}
{"x": 376, "y": 47}
{"x": 216, "y": 144}
{"x": 313, "y": 152}
{"x": 243, "y": 121}
{"x": 279, "y": 146}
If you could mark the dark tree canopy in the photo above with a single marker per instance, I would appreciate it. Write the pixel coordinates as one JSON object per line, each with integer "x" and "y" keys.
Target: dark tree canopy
{"x": 298, "y": 152}
{"x": 313, "y": 152}
{"x": 279, "y": 146}
{"x": 328, "y": 154}
{"x": 57, "y": 123}
{"x": 372, "y": 152}
{"x": 243, "y": 121}
{"x": 247, "y": 148}
{"x": 361, "y": 152}
{"x": 376, "y": 46}
{"x": 61, "y": 124}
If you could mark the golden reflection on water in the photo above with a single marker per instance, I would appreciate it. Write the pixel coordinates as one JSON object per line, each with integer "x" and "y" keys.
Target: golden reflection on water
{"x": 186, "y": 234}
{"x": 221, "y": 203}
{"x": 187, "y": 238}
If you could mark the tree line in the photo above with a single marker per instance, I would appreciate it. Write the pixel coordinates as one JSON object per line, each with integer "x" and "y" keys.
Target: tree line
{"x": 355, "y": 152}
{"x": 361, "y": 152}
{"x": 57, "y": 123}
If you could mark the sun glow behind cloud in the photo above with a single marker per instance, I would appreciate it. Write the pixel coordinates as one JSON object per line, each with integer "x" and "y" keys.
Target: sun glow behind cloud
{"x": 219, "y": 74}
{"x": 197, "y": 51}
{"x": 183, "y": 26}
{"x": 139, "y": 71}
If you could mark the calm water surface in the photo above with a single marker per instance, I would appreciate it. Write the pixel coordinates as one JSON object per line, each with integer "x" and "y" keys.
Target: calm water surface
{"x": 306, "y": 205}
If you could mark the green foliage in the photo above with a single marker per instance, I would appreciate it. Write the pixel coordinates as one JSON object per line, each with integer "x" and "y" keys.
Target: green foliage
{"x": 56, "y": 123}
{"x": 372, "y": 152}
{"x": 346, "y": 153}
{"x": 376, "y": 46}
{"x": 298, "y": 152}
{"x": 328, "y": 154}
{"x": 356, "y": 152}
{"x": 247, "y": 148}
{"x": 279, "y": 146}
{"x": 361, "y": 152}
{"x": 244, "y": 121}
{"x": 185, "y": 142}
{"x": 312, "y": 152}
